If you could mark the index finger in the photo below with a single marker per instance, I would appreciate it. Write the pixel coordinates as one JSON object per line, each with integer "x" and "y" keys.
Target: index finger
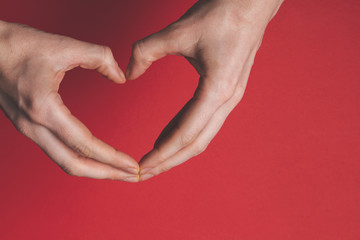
{"x": 59, "y": 120}
{"x": 187, "y": 124}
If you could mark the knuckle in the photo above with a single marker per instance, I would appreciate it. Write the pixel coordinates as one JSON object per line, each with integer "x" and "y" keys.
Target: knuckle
{"x": 199, "y": 148}
{"x": 107, "y": 54}
{"x": 225, "y": 95}
{"x": 71, "y": 170}
{"x": 218, "y": 91}
{"x": 83, "y": 150}
{"x": 37, "y": 110}
{"x": 165, "y": 168}
{"x": 187, "y": 138}
{"x": 177, "y": 32}
{"x": 238, "y": 95}
{"x": 22, "y": 126}
{"x": 224, "y": 91}
{"x": 137, "y": 49}
{"x": 113, "y": 153}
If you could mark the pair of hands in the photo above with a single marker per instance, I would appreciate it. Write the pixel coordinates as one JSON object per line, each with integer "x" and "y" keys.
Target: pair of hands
{"x": 218, "y": 37}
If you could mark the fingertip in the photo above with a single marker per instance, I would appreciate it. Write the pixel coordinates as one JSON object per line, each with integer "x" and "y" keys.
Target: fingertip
{"x": 136, "y": 67}
{"x": 113, "y": 73}
{"x": 126, "y": 163}
{"x": 145, "y": 177}
{"x": 122, "y": 78}
{"x": 129, "y": 74}
{"x": 118, "y": 74}
{"x": 145, "y": 170}
{"x": 133, "y": 164}
{"x": 132, "y": 179}
{"x": 133, "y": 170}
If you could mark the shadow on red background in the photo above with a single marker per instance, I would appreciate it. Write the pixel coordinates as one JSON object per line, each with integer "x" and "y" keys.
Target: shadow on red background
{"x": 286, "y": 164}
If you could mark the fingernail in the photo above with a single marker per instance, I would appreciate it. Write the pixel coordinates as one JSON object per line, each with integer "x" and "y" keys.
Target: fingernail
{"x": 132, "y": 179}
{"x": 133, "y": 170}
{"x": 146, "y": 176}
{"x": 145, "y": 170}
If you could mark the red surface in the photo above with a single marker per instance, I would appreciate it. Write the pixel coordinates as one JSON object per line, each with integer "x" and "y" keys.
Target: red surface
{"x": 286, "y": 164}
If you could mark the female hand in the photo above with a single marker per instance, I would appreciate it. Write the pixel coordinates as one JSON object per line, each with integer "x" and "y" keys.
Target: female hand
{"x": 220, "y": 39}
{"x": 32, "y": 66}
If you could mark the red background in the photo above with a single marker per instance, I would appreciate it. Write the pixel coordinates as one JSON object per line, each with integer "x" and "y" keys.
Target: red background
{"x": 286, "y": 164}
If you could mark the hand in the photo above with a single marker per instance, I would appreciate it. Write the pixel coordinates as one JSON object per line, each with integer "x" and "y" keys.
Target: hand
{"x": 220, "y": 39}
{"x": 32, "y": 66}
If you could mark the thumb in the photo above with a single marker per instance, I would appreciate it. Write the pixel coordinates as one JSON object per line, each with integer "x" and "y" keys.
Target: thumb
{"x": 97, "y": 57}
{"x": 150, "y": 49}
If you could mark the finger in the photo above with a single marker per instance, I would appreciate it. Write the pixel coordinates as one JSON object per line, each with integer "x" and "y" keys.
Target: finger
{"x": 92, "y": 56}
{"x": 57, "y": 118}
{"x": 188, "y": 123}
{"x": 206, "y": 135}
{"x": 169, "y": 41}
{"x": 71, "y": 162}
{"x": 67, "y": 159}
{"x": 197, "y": 146}
{"x": 192, "y": 150}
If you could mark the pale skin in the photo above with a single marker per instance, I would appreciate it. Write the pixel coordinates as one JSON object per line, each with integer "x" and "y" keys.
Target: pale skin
{"x": 32, "y": 66}
{"x": 219, "y": 38}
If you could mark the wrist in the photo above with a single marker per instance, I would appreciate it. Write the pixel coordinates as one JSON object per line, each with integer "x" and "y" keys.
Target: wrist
{"x": 256, "y": 11}
{"x": 4, "y": 35}
{"x": 3, "y": 28}
{"x": 6, "y": 51}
